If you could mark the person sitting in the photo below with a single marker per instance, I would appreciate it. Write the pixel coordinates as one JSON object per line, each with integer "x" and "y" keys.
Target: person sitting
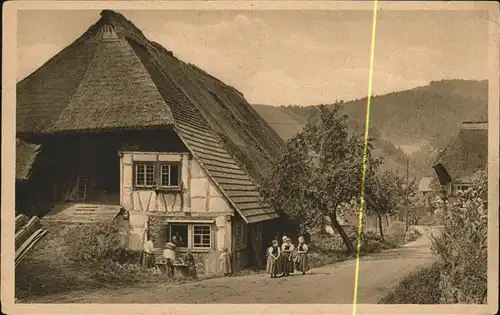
{"x": 190, "y": 262}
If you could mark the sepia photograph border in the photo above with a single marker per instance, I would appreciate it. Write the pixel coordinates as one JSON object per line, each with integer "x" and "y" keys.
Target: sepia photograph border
{"x": 9, "y": 65}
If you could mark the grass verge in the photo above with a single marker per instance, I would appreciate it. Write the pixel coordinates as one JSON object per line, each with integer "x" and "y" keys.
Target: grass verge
{"x": 419, "y": 287}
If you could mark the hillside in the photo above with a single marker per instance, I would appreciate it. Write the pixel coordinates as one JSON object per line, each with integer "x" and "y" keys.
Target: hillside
{"x": 421, "y": 121}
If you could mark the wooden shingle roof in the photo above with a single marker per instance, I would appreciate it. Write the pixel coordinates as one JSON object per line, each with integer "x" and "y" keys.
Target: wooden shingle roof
{"x": 130, "y": 82}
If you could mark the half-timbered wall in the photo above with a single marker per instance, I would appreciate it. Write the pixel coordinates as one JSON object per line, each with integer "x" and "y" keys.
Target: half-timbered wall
{"x": 196, "y": 192}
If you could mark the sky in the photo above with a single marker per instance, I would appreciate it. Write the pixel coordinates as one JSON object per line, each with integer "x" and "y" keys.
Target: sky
{"x": 290, "y": 57}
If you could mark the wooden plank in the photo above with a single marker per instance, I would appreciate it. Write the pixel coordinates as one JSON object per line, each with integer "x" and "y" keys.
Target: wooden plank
{"x": 215, "y": 168}
{"x": 214, "y": 158}
{"x": 219, "y": 164}
{"x": 196, "y": 140}
{"x": 255, "y": 241}
{"x": 21, "y": 220}
{"x": 201, "y": 135}
{"x": 237, "y": 187}
{"x": 25, "y": 231}
{"x": 190, "y": 128}
{"x": 242, "y": 193}
{"x": 232, "y": 181}
{"x": 195, "y": 145}
{"x": 28, "y": 245}
{"x": 222, "y": 175}
{"x": 262, "y": 217}
{"x": 239, "y": 200}
{"x": 250, "y": 206}
{"x": 206, "y": 150}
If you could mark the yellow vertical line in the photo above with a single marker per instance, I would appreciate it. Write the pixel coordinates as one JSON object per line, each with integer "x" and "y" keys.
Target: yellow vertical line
{"x": 365, "y": 148}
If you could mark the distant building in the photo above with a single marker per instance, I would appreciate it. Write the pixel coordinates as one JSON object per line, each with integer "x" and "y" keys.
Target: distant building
{"x": 464, "y": 156}
{"x": 426, "y": 186}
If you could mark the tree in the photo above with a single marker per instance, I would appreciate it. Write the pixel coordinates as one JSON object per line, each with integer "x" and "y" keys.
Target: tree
{"x": 319, "y": 170}
{"x": 383, "y": 194}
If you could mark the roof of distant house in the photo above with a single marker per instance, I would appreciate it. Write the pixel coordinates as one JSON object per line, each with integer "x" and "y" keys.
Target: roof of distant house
{"x": 467, "y": 153}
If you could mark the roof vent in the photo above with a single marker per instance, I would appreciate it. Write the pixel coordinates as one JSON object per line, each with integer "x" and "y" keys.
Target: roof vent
{"x": 107, "y": 31}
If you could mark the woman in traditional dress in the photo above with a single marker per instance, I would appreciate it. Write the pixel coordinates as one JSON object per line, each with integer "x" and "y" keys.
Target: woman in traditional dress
{"x": 286, "y": 257}
{"x": 169, "y": 254}
{"x": 148, "y": 258}
{"x": 225, "y": 262}
{"x": 302, "y": 260}
{"x": 273, "y": 256}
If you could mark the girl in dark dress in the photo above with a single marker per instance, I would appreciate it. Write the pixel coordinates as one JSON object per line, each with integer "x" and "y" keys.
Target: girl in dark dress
{"x": 273, "y": 256}
{"x": 302, "y": 260}
{"x": 286, "y": 257}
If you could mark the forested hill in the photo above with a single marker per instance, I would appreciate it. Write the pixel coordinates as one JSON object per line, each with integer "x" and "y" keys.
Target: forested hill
{"x": 422, "y": 120}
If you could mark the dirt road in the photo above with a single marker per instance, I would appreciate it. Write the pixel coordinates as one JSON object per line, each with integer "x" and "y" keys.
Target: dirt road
{"x": 328, "y": 284}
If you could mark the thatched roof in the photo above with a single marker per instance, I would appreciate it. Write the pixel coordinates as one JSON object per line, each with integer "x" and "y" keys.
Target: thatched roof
{"x": 112, "y": 77}
{"x": 466, "y": 154}
{"x": 26, "y": 154}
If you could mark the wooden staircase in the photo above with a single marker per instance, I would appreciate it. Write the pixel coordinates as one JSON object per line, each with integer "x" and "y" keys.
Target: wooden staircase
{"x": 28, "y": 233}
{"x": 81, "y": 213}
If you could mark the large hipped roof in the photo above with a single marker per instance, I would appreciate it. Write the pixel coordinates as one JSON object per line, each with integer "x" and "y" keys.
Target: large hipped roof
{"x": 112, "y": 77}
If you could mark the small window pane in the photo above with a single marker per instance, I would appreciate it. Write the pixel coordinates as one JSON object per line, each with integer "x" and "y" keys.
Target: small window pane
{"x": 150, "y": 175}
{"x": 165, "y": 174}
{"x": 140, "y": 174}
{"x": 201, "y": 236}
{"x": 180, "y": 232}
{"x": 174, "y": 175}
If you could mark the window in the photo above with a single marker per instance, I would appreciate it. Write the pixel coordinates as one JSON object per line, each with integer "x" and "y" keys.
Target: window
{"x": 194, "y": 236}
{"x": 180, "y": 232}
{"x": 169, "y": 175}
{"x": 157, "y": 175}
{"x": 201, "y": 236}
{"x": 144, "y": 175}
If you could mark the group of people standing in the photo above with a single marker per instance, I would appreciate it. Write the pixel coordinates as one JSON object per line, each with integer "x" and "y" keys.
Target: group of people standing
{"x": 285, "y": 259}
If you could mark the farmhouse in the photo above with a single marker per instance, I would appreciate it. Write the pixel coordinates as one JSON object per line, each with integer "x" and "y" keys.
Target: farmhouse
{"x": 464, "y": 156}
{"x": 116, "y": 124}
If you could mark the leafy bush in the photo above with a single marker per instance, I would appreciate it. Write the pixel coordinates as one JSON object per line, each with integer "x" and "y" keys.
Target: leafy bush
{"x": 418, "y": 287}
{"x": 396, "y": 232}
{"x": 430, "y": 219}
{"x": 461, "y": 247}
{"x": 97, "y": 242}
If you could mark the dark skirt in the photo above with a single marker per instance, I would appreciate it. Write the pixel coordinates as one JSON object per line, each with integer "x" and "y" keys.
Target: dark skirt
{"x": 286, "y": 263}
{"x": 272, "y": 265}
{"x": 302, "y": 262}
{"x": 148, "y": 260}
{"x": 192, "y": 271}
